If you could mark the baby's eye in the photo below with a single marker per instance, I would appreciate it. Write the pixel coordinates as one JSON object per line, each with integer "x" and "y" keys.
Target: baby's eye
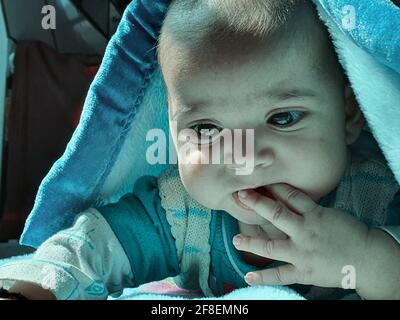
{"x": 286, "y": 119}
{"x": 206, "y": 132}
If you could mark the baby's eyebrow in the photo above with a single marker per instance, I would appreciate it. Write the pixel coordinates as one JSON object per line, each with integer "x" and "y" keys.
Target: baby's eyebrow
{"x": 280, "y": 94}
{"x": 181, "y": 110}
{"x": 283, "y": 94}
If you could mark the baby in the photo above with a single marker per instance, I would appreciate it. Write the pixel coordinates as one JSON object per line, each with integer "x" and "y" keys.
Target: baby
{"x": 308, "y": 209}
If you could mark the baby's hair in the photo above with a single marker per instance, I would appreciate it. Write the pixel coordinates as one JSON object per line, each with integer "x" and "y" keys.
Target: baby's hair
{"x": 193, "y": 21}
{"x": 194, "y": 24}
{"x": 258, "y": 17}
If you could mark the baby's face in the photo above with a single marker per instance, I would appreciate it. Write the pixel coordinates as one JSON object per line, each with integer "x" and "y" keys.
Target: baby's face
{"x": 289, "y": 95}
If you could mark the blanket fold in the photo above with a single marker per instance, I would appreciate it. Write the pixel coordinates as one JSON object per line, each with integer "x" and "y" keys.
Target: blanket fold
{"x": 75, "y": 180}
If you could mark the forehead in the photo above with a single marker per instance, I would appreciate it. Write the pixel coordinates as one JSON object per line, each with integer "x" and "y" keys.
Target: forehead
{"x": 241, "y": 64}
{"x": 249, "y": 69}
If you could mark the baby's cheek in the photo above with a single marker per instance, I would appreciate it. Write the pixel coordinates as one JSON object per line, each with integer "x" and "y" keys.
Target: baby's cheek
{"x": 190, "y": 171}
{"x": 191, "y": 175}
{"x": 191, "y": 154}
{"x": 329, "y": 168}
{"x": 200, "y": 183}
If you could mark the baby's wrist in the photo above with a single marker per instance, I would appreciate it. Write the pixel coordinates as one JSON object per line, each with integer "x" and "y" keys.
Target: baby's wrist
{"x": 378, "y": 275}
{"x": 362, "y": 269}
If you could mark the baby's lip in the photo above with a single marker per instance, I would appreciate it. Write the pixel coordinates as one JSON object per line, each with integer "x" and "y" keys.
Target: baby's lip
{"x": 261, "y": 190}
{"x": 265, "y": 192}
{"x": 239, "y": 203}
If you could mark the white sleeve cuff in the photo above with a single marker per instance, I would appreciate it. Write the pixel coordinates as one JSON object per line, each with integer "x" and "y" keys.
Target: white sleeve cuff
{"x": 85, "y": 261}
{"x": 59, "y": 279}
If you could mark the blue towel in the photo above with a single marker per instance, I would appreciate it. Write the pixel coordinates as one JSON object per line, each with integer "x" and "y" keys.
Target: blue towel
{"x": 76, "y": 179}
{"x": 369, "y": 50}
{"x": 107, "y": 151}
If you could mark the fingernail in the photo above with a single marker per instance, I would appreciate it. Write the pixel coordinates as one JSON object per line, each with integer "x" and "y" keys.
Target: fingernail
{"x": 242, "y": 194}
{"x": 237, "y": 240}
{"x": 250, "y": 278}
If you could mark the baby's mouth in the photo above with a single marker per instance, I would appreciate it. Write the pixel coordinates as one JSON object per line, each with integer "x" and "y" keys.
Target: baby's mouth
{"x": 240, "y": 203}
{"x": 264, "y": 192}
{"x": 261, "y": 190}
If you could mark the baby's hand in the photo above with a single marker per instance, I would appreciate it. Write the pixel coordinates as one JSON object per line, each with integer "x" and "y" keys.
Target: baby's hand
{"x": 322, "y": 245}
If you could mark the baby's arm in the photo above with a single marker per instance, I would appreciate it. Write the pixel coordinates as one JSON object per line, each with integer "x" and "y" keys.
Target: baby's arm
{"x": 85, "y": 261}
{"x": 381, "y": 274}
{"x": 380, "y": 277}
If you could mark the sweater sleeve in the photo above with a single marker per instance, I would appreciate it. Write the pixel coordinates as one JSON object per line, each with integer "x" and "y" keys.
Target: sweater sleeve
{"x": 140, "y": 224}
{"x": 85, "y": 261}
{"x": 106, "y": 250}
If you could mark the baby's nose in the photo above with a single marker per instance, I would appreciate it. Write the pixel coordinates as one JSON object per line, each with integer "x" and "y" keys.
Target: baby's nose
{"x": 263, "y": 157}
{"x": 263, "y": 149}
{"x": 254, "y": 154}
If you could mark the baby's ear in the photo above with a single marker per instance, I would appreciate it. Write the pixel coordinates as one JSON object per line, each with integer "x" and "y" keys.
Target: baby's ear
{"x": 354, "y": 118}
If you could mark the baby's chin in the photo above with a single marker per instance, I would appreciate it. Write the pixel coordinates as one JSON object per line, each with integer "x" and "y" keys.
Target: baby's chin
{"x": 317, "y": 196}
